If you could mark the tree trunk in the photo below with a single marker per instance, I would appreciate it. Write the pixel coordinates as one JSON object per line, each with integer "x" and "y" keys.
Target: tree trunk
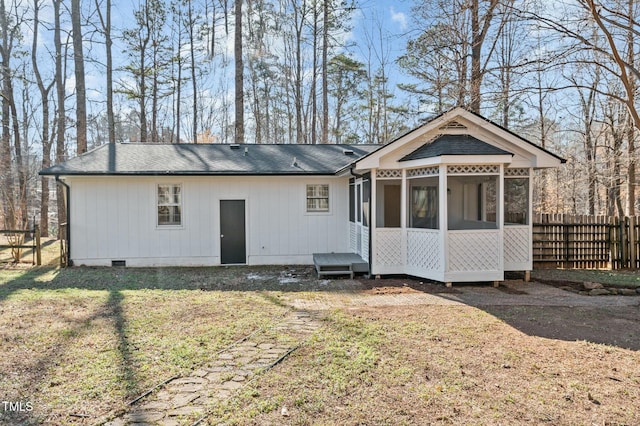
{"x": 61, "y": 116}
{"x": 6, "y": 169}
{"x": 631, "y": 134}
{"x": 239, "y": 74}
{"x": 78, "y": 60}
{"x": 179, "y": 79}
{"x": 20, "y": 214}
{"x": 476, "y": 52}
{"x": 314, "y": 75}
{"x": 479, "y": 31}
{"x": 299, "y": 18}
{"x": 631, "y": 169}
{"x": 325, "y": 75}
{"x": 105, "y": 21}
{"x": 194, "y": 82}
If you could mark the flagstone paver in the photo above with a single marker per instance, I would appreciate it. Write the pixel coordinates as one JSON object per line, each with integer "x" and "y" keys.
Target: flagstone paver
{"x": 193, "y": 395}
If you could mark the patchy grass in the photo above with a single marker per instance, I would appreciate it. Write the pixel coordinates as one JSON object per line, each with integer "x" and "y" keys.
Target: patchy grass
{"x": 621, "y": 279}
{"x": 85, "y": 341}
{"x": 441, "y": 365}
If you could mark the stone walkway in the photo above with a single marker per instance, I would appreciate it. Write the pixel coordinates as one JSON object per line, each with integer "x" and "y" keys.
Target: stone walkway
{"x": 183, "y": 400}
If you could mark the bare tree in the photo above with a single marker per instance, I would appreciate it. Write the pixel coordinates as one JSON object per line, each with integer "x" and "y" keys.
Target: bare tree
{"x": 191, "y": 28}
{"x": 81, "y": 95}
{"x": 61, "y": 115}
{"x": 105, "y": 22}
{"x": 46, "y": 139}
{"x": 461, "y": 38}
{"x": 5, "y": 147}
{"x": 239, "y": 74}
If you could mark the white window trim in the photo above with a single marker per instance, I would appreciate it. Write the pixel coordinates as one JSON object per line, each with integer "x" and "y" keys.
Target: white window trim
{"x": 329, "y": 200}
{"x": 157, "y": 204}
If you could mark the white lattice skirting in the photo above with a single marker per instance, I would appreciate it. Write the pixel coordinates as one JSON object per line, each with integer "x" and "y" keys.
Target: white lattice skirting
{"x": 353, "y": 237}
{"x": 423, "y": 249}
{"x": 474, "y": 251}
{"x": 365, "y": 244}
{"x": 388, "y": 247}
{"x": 517, "y": 246}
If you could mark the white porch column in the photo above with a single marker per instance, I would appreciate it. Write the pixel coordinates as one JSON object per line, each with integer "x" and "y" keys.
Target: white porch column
{"x": 403, "y": 217}
{"x": 500, "y": 218}
{"x": 530, "y": 221}
{"x": 373, "y": 221}
{"x": 443, "y": 202}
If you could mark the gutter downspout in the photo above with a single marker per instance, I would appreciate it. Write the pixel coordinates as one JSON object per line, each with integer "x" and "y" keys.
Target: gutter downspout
{"x": 67, "y": 204}
{"x": 354, "y": 174}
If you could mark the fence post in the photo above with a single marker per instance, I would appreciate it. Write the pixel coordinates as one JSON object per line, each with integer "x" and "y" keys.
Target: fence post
{"x": 565, "y": 230}
{"x": 624, "y": 239}
{"x": 632, "y": 242}
{"x": 613, "y": 252}
{"x": 36, "y": 231}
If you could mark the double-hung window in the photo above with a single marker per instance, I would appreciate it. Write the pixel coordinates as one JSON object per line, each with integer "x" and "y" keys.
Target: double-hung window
{"x": 169, "y": 205}
{"x": 317, "y": 198}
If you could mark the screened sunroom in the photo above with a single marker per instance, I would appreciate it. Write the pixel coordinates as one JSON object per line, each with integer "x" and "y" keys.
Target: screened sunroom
{"x": 451, "y": 202}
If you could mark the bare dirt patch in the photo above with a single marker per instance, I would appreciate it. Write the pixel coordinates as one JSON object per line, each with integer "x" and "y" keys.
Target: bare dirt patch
{"x": 403, "y": 285}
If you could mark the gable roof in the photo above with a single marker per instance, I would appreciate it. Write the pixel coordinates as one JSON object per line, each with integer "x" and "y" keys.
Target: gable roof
{"x": 454, "y": 145}
{"x": 211, "y": 159}
{"x": 453, "y": 116}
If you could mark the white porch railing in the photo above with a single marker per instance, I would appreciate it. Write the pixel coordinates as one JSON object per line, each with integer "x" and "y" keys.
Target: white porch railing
{"x": 423, "y": 249}
{"x": 474, "y": 251}
{"x": 517, "y": 248}
{"x": 388, "y": 252}
{"x": 415, "y": 251}
{"x": 364, "y": 248}
{"x": 471, "y": 255}
{"x": 359, "y": 240}
{"x": 353, "y": 238}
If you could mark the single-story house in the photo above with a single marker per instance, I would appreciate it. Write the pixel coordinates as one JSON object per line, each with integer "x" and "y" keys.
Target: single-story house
{"x": 450, "y": 201}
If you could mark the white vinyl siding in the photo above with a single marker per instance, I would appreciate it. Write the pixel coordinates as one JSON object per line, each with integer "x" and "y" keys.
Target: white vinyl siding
{"x": 115, "y": 218}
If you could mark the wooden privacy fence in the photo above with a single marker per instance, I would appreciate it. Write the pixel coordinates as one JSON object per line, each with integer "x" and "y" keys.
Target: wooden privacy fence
{"x": 588, "y": 242}
{"x": 17, "y": 240}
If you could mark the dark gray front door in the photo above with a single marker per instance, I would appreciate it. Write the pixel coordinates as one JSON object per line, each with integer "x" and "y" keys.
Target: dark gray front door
{"x": 232, "y": 232}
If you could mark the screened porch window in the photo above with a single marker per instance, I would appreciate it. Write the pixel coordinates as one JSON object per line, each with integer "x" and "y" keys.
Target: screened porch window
{"x": 388, "y": 196}
{"x": 317, "y": 198}
{"x": 516, "y": 201}
{"x": 169, "y": 205}
{"x": 472, "y": 202}
{"x": 423, "y": 199}
{"x": 352, "y": 202}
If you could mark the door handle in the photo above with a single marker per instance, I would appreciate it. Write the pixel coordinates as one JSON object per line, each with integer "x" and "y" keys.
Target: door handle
{"x": 221, "y": 235}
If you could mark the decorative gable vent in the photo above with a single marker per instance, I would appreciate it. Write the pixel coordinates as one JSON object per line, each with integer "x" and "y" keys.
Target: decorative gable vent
{"x": 453, "y": 125}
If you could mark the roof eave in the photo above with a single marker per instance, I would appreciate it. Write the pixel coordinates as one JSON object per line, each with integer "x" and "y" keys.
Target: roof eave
{"x": 170, "y": 173}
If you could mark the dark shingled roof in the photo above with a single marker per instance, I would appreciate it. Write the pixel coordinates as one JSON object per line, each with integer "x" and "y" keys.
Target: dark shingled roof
{"x": 454, "y": 145}
{"x": 207, "y": 159}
